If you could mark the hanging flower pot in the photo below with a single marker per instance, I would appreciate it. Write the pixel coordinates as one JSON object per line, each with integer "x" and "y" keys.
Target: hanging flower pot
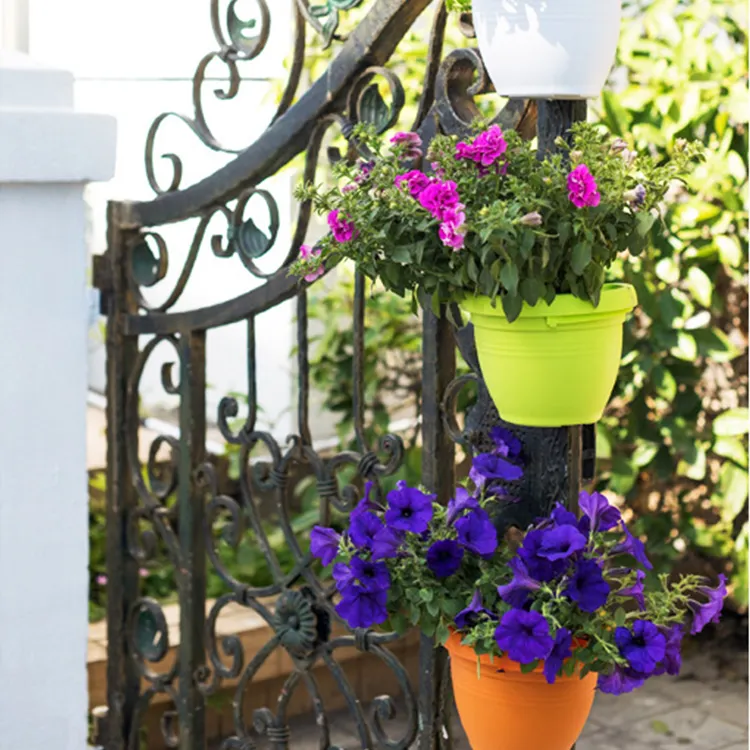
{"x": 554, "y": 365}
{"x": 548, "y": 49}
{"x": 502, "y": 709}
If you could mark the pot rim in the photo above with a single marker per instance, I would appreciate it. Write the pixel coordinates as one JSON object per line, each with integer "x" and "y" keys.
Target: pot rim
{"x": 615, "y": 297}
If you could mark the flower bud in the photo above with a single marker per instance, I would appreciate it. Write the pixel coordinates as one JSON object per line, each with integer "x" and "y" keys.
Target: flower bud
{"x": 618, "y": 146}
{"x": 636, "y": 197}
{"x": 628, "y": 157}
{"x": 533, "y": 219}
{"x": 576, "y": 156}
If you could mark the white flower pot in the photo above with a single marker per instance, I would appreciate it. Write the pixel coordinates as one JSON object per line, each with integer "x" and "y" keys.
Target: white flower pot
{"x": 548, "y": 49}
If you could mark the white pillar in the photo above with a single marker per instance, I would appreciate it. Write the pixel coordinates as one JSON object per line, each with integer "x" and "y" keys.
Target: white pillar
{"x": 48, "y": 152}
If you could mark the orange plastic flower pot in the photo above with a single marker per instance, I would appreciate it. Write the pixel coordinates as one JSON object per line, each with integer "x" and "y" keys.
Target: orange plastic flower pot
{"x": 502, "y": 709}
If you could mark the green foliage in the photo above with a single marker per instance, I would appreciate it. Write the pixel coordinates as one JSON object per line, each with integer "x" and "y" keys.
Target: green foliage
{"x": 676, "y": 429}
{"x": 519, "y": 235}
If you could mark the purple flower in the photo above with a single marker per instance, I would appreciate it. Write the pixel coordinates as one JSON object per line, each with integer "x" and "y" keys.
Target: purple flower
{"x": 634, "y": 547}
{"x": 491, "y": 466}
{"x": 365, "y": 170}
{"x": 371, "y": 576}
{"x": 438, "y": 197}
{"x": 409, "y": 509}
{"x": 636, "y": 589}
{"x": 324, "y": 544}
{"x": 533, "y": 219}
{"x": 363, "y": 527}
{"x": 415, "y": 180}
{"x": 386, "y": 544}
{"x": 413, "y": 144}
{"x": 561, "y": 543}
{"x": 461, "y": 502}
{"x": 582, "y": 189}
{"x": 506, "y": 443}
{"x": 516, "y": 593}
{"x": 524, "y": 636}
{"x": 672, "y": 662}
{"x": 342, "y": 575}
{"x": 469, "y": 616}
{"x": 560, "y": 652}
{"x": 711, "y": 610}
{"x": 602, "y": 514}
{"x": 621, "y": 681}
{"x": 444, "y": 558}
{"x": 540, "y": 568}
{"x": 343, "y": 230}
{"x": 587, "y": 586}
{"x": 308, "y": 253}
{"x": 360, "y": 608}
{"x": 635, "y": 197}
{"x": 563, "y": 517}
{"x": 476, "y": 533}
{"x": 644, "y": 647}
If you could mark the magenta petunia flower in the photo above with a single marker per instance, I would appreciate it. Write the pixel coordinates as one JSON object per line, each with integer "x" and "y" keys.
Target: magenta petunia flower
{"x": 413, "y": 144}
{"x": 582, "y": 188}
{"x": 451, "y": 237}
{"x": 438, "y": 197}
{"x": 308, "y": 253}
{"x": 486, "y": 149}
{"x": 415, "y": 180}
{"x": 342, "y": 229}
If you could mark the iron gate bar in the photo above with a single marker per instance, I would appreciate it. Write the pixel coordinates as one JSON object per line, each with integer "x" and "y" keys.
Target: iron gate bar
{"x": 558, "y": 459}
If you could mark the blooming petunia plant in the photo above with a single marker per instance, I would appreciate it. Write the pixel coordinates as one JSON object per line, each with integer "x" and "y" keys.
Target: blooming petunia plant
{"x": 485, "y": 216}
{"x": 574, "y": 595}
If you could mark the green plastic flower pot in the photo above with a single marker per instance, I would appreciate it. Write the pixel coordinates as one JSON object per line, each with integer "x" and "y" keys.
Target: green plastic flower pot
{"x": 555, "y": 365}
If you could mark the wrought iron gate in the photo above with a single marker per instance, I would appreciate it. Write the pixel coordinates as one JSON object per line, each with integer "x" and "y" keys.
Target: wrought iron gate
{"x": 139, "y": 512}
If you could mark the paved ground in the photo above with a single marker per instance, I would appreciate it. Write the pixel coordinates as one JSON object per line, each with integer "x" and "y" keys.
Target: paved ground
{"x": 706, "y": 708}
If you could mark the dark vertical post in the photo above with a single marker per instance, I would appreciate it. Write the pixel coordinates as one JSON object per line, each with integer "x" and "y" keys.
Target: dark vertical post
{"x": 192, "y": 573}
{"x": 438, "y": 475}
{"x": 123, "y": 680}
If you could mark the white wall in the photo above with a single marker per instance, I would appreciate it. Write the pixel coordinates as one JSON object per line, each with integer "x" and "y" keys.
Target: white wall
{"x": 135, "y": 60}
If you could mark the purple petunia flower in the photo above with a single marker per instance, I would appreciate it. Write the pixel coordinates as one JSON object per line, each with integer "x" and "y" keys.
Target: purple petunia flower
{"x": 366, "y": 503}
{"x": 516, "y": 593}
{"x": 476, "y": 533}
{"x": 644, "y": 646}
{"x": 563, "y": 517}
{"x": 582, "y": 189}
{"x": 587, "y": 587}
{"x": 491, "y": 466}
{"x": 415, "y": 180}
{"x": 363, "y": 527}
{"x": 386, "y": 544}
{"x": 444, "y": 558}
{"x": 636, "y": 197}
{"x": 438, "y": 197}
{"x": 636, "y": 589}
{"x": 672, "y": 662}
{"x": 561, "y": 542}
{"x": 711, "y": 610}
{"x": 409, "y": 509}
{"x": 560, "y": 652}
{"x": 634, "y": 547}
{"x": 324, "y": 544}
{"x": 506, "y": 443}
{"x": 540, "y": 568}
{"x": 342, "y": 229}
{"x": 468, "y": 617}
{"x": 601, "y": 513}
{"x": 365, "y": 170}
{"x": 524, "y": 636}
{"x": 371, "y": 576}
{"x": 621, "y": 681}
{"x": 342, "y": 575}
{"x": 361, "y": 608}
{"x": 461, "y": 502}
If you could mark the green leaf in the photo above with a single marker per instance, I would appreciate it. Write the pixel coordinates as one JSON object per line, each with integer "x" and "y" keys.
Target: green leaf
{"x": 563, "y": 231}
{"x": 400, "y": 254}
{"x": 699, "y": 286}
{"x": 732, "y": 490}
{"x": 512, "y": 304}
{"x": 729, "y": 249}
{"x": 686, "y": 348}
{"x": 664, "y": 383}
{"x": 531, "y": 290}
{"x": 580, "y": 257}
{"x": 731, "y": 422}
{"x": 660, "y": 727}
{"x": 620, "y": 617}
{"x": 373, "y": 108}
{"x": 731, "y": 448}
{"x": 509, "y": 277}
{"x": 668, "y": 270}
{"x": 528, "y": 668}
{"x": 644, "y": 222}
{"x": 527, "y": 243}
{"x": 426, "y": 595}
{"x": 644, "y": 453}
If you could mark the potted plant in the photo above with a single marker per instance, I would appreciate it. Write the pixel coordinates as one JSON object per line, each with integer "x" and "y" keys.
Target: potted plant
{"x": 522, "y": 244}
{"x": 532, "y": 628}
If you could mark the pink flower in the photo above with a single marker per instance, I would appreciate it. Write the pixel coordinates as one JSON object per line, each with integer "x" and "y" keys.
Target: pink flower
{"x": 365, "y": 170}
{"x": 101, "y": 580}
{"x": 438, "y": 170}
{"x": 464, "y": 151}
{"x": 352, "y": 186}
{"x": 451, "y": 237}
{"x": 582, "y": 189}
{"x": 307, "y": 253}
{"x": 533, "y": 219}
{"x": 413, "y": 144}
{"x": 417, "y": 181}
{"x": 437, "y": 197}
{"x": 486, "y": 149}
{"x": 143, "y": 572}
{"x": 343, "y": 230}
